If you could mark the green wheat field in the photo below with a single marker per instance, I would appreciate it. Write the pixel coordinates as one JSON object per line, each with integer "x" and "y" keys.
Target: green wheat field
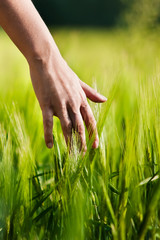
{"x": 112, "y": 192}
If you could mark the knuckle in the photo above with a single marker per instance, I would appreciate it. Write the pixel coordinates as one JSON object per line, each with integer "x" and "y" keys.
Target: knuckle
{"x": 63, "y": 107}
{"x": 93, "y": 123}
{"x": 84, "y": 104}
{"x": 80, "y": 129}
{"x": 67, "y": 126}
{"x": 75, "y": 108}
{"x": 48, "y": 123}
{"x": 83, "y": 96}
{"x": 91, "y": 117}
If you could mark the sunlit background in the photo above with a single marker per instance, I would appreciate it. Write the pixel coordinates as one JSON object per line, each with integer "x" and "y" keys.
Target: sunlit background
{"x": 113, "y": 192}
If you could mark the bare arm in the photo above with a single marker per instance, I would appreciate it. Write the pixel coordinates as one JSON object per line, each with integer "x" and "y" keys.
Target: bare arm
{"x": 59, "y": 90}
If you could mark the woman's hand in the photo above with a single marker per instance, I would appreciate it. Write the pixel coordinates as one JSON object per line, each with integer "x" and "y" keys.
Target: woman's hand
{"x": 57, "y": 87}
{"x": 61, "y": 93}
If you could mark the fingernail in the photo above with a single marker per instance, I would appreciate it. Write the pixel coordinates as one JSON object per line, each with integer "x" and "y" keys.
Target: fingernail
{"x": 49, "y": 145}
{"x": 96, "y": 143}
{"x": 103, "y": 97}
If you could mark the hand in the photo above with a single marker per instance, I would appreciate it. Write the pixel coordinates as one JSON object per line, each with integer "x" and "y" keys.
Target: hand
{"x": 57, "y": 87}
{"x": 61, "y": 93}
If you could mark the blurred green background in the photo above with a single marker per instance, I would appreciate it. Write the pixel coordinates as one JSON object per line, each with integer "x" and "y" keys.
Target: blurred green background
{"x": 113, "y": 193}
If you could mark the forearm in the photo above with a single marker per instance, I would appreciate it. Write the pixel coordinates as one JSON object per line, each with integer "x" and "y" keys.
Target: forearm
{"x": 25, "y": 27}
{"x": 58, "y": 89}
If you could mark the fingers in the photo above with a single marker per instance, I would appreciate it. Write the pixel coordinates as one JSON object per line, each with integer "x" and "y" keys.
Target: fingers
{"x": 66, "y": 125}
{"x": 78, "y": 126}
{"x": 72, "y": 120}
{"x": 90, "y": 124}
{"x": 92, "y": 94}
{"x": 48, "y": 127}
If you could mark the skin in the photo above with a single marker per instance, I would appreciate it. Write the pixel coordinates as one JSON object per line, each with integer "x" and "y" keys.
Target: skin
{"x": 58, "y": 89}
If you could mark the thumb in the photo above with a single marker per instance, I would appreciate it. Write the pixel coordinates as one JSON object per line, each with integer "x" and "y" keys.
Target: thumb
{"x": 48, "y": 127}
{"x": 92, "y": 94}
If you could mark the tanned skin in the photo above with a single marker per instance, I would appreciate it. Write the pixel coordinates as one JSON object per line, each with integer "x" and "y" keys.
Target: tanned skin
{"x": 58, "y": 89}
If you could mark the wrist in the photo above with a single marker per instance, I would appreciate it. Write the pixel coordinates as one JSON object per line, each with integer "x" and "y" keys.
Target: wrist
{"x": 42, "y": 54}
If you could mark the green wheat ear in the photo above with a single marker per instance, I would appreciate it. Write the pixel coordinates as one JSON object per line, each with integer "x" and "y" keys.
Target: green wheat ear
{"x": 109, "y": 193}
